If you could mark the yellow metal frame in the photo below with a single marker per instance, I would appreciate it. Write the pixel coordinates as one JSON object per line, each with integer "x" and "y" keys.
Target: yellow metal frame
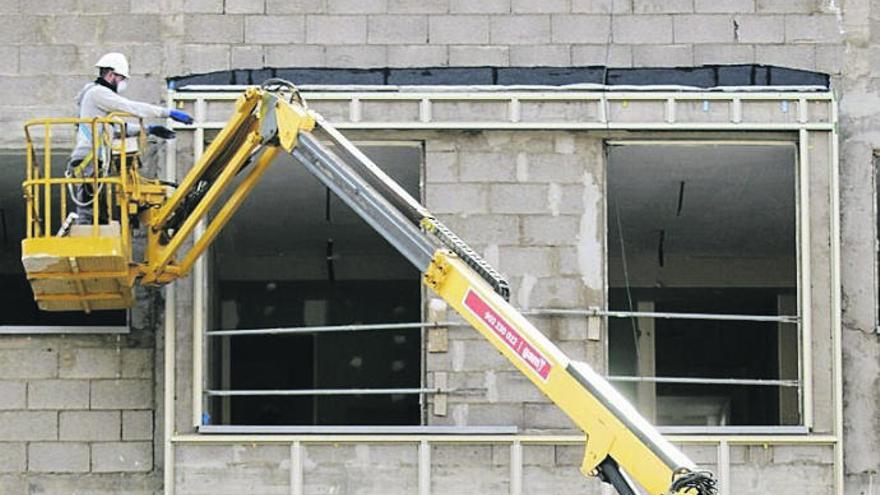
{"x": 34, "y": 183}
{"x": 50, "y": 260}
{"x": 253, "y": 110}
{"x": 128, "y": 193}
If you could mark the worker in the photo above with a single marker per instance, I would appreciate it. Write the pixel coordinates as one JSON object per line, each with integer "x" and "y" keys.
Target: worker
{"x": 99, "y": 99}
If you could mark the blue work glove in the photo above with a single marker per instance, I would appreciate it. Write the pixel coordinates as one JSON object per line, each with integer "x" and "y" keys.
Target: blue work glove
{"x": 160, "y": 131}
{"x": 182, "y": 117}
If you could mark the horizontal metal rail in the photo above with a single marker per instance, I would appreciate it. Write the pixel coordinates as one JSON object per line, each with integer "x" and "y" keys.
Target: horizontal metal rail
{"x": 662, "y": 315}
{"x": 537, "y": 125}
{"x": 322, "y": 391}
{"x": 535, "y": 312}
{"x": 65, "y": 180}
{"x": 360, "y": 429}
{"x": 414, "y": 391}
{"x": 329, "y": 329}
{"x": 760, "y": 436}
{"x": 705, "y": 381}
{"x": 595, "y": 93}
{"x": 318, "y": 434}
{"x": 50, "y": 329}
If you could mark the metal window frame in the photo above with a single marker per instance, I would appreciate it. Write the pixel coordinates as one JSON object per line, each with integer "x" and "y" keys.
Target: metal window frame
{"x": 201, "y": 303}
{"x": 803, "y": 319}
{"x": 875, "y": 215}
{"x": 603, "y": 98}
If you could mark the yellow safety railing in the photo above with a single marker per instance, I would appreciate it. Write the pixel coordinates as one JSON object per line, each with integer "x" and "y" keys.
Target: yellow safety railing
{"x": 110, "y": 164}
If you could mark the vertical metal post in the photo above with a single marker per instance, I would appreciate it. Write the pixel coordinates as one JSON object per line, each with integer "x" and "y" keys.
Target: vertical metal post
{"x": 424, "y": 468}
{"x": 736, "y": 110}
{"x": 37, "y": 190}
{"x": 670, "y": 110}
{"x": 47, "y": 172}
{"x": 354, "y": 110}
{"x": 96, "y": 164}
{"x": 122, "y": 200}
{"x": 108, "y": 188}
{"x": 514, "y": 109}
{"x": 200, "y": 282}
{"x": 63, "y": 188}
{"x": 646, "y": 391}
{"x": 516, "y": 468}
{"x": 425, "y": 110}
{"x": 29, "y": 193}
{"x": 296, "y": 468}
{"x": 836, "y": 296}
{"x": 603, "y": 110}
{"x": 170, "y": 348}
{"x": 806, "y": 277}
{"x": 803, "y": 115}
{"x": 169, "y": 427}
{"x": 723, "y": 467}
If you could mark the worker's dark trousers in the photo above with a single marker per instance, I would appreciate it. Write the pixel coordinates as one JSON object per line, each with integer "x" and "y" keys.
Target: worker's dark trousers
{"x": 83, "y": 193}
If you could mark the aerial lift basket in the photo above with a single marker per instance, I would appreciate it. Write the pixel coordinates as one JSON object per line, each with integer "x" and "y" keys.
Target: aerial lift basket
{"x": 78, "y": 267}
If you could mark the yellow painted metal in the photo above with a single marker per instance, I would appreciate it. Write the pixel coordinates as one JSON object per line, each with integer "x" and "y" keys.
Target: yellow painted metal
{"x": 70, "y": 273}
{"x": 47, "y": 193}
{"x": 230, "y": 206}
{"x": 291, "y": 120}
{"x": 453, "y": 280}
{"x": 252, "y": 110}
{"x": 202, "y": 209}
{"x": 126, "y": 193}
{"x": 244, "y": 108}
{"x": 28, "y": 191}
{"x": 96, "y": 199}
{"x": 89, "y": 268}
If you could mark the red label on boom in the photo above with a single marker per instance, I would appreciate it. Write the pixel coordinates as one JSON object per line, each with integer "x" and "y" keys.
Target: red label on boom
{"x": 504, "y": 331}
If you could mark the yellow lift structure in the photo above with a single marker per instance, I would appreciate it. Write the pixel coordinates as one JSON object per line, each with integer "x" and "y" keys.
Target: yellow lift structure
{"x": 92, "y": 267}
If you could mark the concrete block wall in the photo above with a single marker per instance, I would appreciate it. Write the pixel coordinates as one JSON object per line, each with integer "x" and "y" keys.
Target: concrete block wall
{"x": 860, "y": 143}
{"x": 531, "y": 203}
{"x": 48, "y": 48}
{"x": 375, "y": 468}
{"x": 77, "y": 405}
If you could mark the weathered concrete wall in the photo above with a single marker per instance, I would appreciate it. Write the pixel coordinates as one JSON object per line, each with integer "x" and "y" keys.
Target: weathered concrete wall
{"x": 858, "y": 90}
{"x": 376, "y": 468}
{"x": 532, "y": 203}
{"x": 77, "y": 412}
{"x": 47, "y": 48}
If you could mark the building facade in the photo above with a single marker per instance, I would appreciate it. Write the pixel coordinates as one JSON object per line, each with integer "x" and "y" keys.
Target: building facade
{"x": 738, "y": 183}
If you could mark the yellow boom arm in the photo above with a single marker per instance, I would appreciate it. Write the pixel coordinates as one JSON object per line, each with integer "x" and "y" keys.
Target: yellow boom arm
{"x": 622, "y": 448}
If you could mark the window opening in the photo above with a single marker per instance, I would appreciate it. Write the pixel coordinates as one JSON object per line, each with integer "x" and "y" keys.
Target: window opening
{"x": 18, "y": 311}
{"x": 707, "y": 228}
{"x": 294, "y": 256}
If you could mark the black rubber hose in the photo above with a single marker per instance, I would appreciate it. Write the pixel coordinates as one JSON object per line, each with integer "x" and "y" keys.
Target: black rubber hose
{"x": 609, "y": 472}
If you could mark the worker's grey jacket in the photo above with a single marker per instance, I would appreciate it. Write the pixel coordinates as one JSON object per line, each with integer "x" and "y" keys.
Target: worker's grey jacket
{"x": 96, "y": 100}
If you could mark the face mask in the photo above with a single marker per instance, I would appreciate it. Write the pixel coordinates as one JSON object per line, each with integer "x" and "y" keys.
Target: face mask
{"x": 121, "y": 85}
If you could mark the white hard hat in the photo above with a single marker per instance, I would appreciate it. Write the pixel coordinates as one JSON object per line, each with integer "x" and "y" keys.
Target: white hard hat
{"x": 115, "y": 61}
